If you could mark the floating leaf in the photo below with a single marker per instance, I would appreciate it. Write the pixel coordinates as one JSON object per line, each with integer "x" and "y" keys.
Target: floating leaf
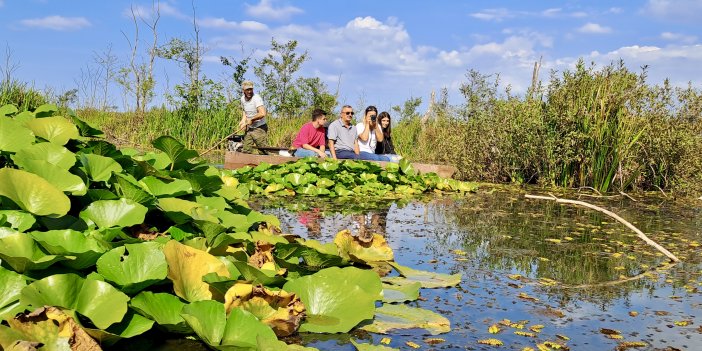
{"x": 427, "y": 279}
{"x": 85, "y": 249}
{"x": 99, "y": 168}
{"x": 14, "y": 136}
{"x": 494, "y": 329}
{"x": 370, "y": 347}
{"x": 22, "y": 253}
{"x": 360, "y": 250}
{"x": 391, "y": 317}
{"x": 114, "y": 213}
{"x": 491, "y": 342}
{"x": 401, "y": 293}
{"x": 187, "y": 266}
{"x": 163, "y": 308}
{"x": 46, "y": 326}
{"x": 175, "y": 151}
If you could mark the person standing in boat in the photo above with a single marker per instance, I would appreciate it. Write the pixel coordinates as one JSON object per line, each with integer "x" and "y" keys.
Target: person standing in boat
{"x": 369, "y": 134}
{"x": 253, "y": 120}
{"x": 343, "y": 139}
{"x": 311, "y": 138}
{"x": 386, "y": 147}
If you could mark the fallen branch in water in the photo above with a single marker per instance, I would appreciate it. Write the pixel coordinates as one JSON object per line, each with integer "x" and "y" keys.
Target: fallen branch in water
{"x": 639, "y": 233}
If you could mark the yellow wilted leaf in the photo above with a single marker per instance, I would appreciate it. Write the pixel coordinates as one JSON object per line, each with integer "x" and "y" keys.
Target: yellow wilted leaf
{"x": 505, "y": 322}
{"x": 633, "y": 313}
{"x": 458, "y": 252}
{"x": 683, "y": 323}
{"x": 514, "y": 276}
{"x": 554, "y": 345}
{"x": 536, "y": 328}
{"x": 617, "y": 254}
{"x": 547, "y": 282}
{"x": 543, "y": 259}
{"x": 562, "y": 337}
{"x": 556, "y": 241}
{"x": 523, "y": 333}
{"x": 568, "y": 238}
{"x": 517, "y": 325}
{"x": 385, "y": 341}
{"x": 527, "y": 348}
{"x": 629, "y": 344}
{"x": 412, "y": 345}
{"x": 494, "y": 329}
{"x": 619, "y": 268}
{"x": 492, "y": 342}
{"x": 615, "y": 336}
{"x": 607, "y": 331}
{"x": 525, "y": 296}
{"x": 543, "y": 347}
{"x": 434, "y": 341}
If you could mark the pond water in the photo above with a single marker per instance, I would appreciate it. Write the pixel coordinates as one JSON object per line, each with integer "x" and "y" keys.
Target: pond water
{"x": 586, "y": 278}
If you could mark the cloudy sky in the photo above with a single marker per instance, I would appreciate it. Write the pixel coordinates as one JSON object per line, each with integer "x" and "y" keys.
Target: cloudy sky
{"x": 376, "y": 52}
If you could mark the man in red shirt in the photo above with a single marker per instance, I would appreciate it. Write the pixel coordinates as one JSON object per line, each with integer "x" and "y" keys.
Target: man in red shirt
{"x": 310, "y": 140}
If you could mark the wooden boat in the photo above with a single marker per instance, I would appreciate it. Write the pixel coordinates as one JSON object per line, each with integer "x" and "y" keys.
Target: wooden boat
{"x": 235, "y": 159}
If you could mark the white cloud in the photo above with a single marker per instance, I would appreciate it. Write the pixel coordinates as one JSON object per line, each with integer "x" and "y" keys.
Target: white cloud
{"x": 496, "y": 15}
{"x": 148, "y": 12}
{"x": 679, "y": 37}
{"x": 594, "y": 28}
{"x": 221, "y": 23}
{"x": 266, "y": 9}
{"x": 57, "y": 23}
{"x": 615, "y": 10}
{"x": 677, "y": 10}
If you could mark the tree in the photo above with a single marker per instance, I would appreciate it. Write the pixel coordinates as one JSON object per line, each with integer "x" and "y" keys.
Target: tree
{"x": 239, "y": 66}
{"x": 276, "y": 72}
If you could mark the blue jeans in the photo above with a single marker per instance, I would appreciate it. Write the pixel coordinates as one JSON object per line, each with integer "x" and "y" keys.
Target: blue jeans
{"x": 373, "y": 157}
{"x": 347, "y": 154}
{"x": 302, "y": 152}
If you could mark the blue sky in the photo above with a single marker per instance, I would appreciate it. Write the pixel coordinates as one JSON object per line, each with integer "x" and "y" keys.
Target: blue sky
{"x": 383, "y": 52}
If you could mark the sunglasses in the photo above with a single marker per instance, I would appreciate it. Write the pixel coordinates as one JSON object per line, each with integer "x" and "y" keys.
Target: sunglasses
{"x": 349, "y": 113}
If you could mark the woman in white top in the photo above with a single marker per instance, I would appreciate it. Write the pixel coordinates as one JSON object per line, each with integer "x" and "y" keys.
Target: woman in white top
{"x": 369, "y": 134}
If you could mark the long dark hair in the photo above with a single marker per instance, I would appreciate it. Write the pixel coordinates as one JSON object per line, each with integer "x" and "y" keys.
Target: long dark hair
{"x": 386, "y": 131}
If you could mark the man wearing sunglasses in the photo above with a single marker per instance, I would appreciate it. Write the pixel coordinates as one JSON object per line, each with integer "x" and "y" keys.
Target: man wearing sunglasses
{"x": 342, "y": 135}
{"x": 253, "y": 119}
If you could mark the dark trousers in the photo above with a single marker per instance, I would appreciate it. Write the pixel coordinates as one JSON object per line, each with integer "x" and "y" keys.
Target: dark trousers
{"x": 347, "y": 154}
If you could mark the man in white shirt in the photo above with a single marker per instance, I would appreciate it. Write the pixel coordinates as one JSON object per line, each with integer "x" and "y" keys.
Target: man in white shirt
{"x": 253, "y": 118}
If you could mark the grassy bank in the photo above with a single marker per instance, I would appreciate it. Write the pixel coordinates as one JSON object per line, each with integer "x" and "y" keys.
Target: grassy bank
{"x": 601, "y": 128}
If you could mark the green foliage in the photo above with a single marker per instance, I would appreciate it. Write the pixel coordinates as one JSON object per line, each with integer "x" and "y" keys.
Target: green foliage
{"x": 275, "y": 71}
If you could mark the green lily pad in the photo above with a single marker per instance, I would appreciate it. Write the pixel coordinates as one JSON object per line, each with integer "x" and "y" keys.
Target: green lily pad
{"x": 14, "y": 136}
{"x": 134, "y": 267}
{"x": 57, "y": 129}
{"x": 99, "y": 301}
{"x": 127, "y": 187}
{"x": 114, "y": 213}
{"x": 23, "y": 254}
{"x": 45, "y": 110}
{"x": 33, "y": 193}
{"x": 57, "y": 176}
{"x": 160, "y": 188}
{"x": 391, "y": 317}
{"x": 11, "y": 285}
{"x": 132, "y": 325}
{"x": 163, "y": 308}
{"x": 182, "y": 211}
{"x": 7, "y": 110}
{"x": 99, "y": 168}
{"x": 55, "y": 154}
{"x": 336, "y": 299}
{"x": 427, "y": 279}
{"x": 19, "y": 220}
{"x": 401, "y": 293}
{"x": 175, "y": 151}
{"x": 86, "y": 250}
{"x": 240, "y": 330}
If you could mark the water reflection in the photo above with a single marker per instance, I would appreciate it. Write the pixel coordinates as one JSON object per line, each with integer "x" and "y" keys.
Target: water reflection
{"x": 572, "y": 269}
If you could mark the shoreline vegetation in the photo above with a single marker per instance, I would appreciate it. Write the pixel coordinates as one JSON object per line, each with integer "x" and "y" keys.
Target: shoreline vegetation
{"x": 603, "y": 128}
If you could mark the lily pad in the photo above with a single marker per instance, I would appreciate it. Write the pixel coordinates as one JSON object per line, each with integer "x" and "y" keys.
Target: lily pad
{"x": 99, "y": 168}
{"x": 401, "y": 293}
{"x": 160, "y": 188}
{"x": 370, "y": 347}
{"x": 14, "y": 136}
{"x": 57, "y": 129}
{"x": 175, "y": 151}
{"x": 86, "y": 250}
{"x": 99, "y": 301}
{"x": 163, "y": 308}
{"x": 19, "y": 220}
{"x": 55, "y": 154}
{"x": 392, "y": 317}
{"x": 280, "y": 310}
{"x": 187, "y": 266}
{"x": 57, "y": 176}
{"x": 33, "y": 193}
{"x": 114, "y": 213}
{"x": 132, "y": 325}
{"x": 23, "y": 254}
{"x": 134, "y": 267}
{"x": 427, "y": 279}
{"x": 370, "y": 250}
{"x": 11, "y": 285}
{"x": 337, "y": 299}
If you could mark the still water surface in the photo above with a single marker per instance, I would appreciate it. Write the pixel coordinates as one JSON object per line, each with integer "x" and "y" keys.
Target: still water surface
{"x": 575, "y": 271}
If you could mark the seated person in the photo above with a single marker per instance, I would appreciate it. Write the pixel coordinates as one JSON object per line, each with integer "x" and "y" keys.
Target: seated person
{"x": 310, "y": 140}
{"x": 369, "y": 134}
{"x": 343, "y": 140}
{"x": 386, "y": 146}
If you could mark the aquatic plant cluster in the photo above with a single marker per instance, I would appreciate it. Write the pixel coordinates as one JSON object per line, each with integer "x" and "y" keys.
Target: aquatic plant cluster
{"x": 100, "y": 245}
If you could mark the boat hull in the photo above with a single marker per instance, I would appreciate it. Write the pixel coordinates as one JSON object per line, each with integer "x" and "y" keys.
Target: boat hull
{"x": 235, "y": 160}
